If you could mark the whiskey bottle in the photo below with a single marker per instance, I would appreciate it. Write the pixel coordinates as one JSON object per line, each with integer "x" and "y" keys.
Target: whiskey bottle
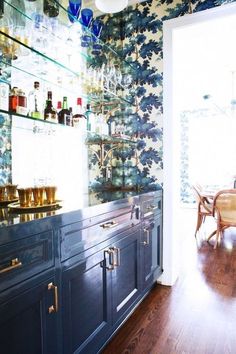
{"x": 64, "y": 116}
{"x": 50, "y": 114}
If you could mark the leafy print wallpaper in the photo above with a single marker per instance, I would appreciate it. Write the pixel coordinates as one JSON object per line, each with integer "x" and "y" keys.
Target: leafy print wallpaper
{"x": 136, "y": 34}
{"x": 5, "y": 149}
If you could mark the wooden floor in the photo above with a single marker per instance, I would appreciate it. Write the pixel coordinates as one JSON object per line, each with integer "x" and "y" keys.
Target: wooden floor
{"x": 195, "y": 316}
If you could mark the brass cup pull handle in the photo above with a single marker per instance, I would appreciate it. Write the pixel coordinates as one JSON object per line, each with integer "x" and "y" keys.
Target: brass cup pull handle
{"x": 15, "y": 263}
{"x": 109, "y": 224}
{"x": 110, "y": 253}
{"x": 117, "y": 256}
{"x": 53, "y": 308}
{"x": 147, "y": 241}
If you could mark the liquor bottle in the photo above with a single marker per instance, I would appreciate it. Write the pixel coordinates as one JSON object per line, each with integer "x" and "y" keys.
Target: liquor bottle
{"x": 51, "y": 8}
{"x": 64, "y": 115}
{"x": 79, "y": 119}
{"x": 90, "y": 119}
{"x": 13, "y": 99}
{"x": 59, "y": 106}
{"x": 35, "y": 102}
{"x": 21, "y": 107}
{"x": 50, "y": 114}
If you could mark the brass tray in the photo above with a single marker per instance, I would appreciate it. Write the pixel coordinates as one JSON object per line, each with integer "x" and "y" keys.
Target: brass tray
{"x": 6, "y": 202}
{"x": 34, "y": 208}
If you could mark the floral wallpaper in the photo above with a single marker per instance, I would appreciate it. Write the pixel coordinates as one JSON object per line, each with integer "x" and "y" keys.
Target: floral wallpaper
{"x": 136, "y": 34}
{"x": 5, "y": 149}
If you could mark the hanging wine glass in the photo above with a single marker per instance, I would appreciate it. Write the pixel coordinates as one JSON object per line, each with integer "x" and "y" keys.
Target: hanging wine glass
{"x": 96, "y": 30}
{"x": 86, "y": 19}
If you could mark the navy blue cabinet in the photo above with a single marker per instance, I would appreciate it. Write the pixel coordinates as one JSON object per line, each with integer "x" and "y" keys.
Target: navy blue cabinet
{"x": 126, "y": 282}
{"x": 98, "y": 291}
{"x": 67, "y": 284}
{"x": 86, "y": 304}
{"x": 151, "y": 241}
{"x": 28, "y": 321}
{"x": 151, "y": 250}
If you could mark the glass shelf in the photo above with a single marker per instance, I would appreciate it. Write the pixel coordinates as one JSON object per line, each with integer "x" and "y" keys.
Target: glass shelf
{"x": 54, "y": 52}
{"x": 24, "y": 116}
{"x": 29, "y": 10}
{"x": 91, "y": 138}
{"x": 38, "y": 124}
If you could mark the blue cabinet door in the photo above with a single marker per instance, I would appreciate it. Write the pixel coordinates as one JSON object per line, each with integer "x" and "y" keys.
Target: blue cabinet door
{"x": 157, "y": 248}
{"x": 26, "y": 326}
{"x": 151, "y": 250}
{"x": 126, "y": 286}
{"x": 86, "y": 304}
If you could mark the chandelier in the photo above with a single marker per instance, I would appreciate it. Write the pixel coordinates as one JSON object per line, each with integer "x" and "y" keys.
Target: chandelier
{"x": 111, "y": 6}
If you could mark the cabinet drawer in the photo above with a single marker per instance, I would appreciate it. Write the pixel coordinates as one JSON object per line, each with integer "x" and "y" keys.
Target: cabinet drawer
{"x": 24, "y": 258}
{"x": 76, "y": 238}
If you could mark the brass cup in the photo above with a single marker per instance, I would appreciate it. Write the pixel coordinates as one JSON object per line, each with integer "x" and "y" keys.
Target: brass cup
{"x": 50, "y": 194}
{"x": 21, "y": 193}
{"x": 25, "y": 197}
{"x": 2, "y": 193}
{"x": 38, "y": 194}
{"x": 41, "y": 195}
{"x": 28, "y": 197}
{"x": 11, "y": 191}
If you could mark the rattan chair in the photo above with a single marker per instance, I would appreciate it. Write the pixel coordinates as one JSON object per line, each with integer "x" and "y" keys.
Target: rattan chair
{"x": 204, "y": 207}
{"x": 224, "y": 210}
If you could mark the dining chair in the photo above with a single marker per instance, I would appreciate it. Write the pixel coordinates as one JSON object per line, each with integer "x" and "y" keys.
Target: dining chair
{"x": 204, "y": 207}
{"x": 224, "y": 210}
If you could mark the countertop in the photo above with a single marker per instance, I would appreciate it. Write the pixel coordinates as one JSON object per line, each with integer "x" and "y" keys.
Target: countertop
{"x": 89, "y": 205}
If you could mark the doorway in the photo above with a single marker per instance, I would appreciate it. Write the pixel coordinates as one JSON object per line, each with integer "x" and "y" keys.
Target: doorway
{"x": 171, "y": 141}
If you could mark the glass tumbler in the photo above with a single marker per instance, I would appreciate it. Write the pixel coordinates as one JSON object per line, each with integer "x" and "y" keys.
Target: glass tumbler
{"x": 74, "y": 9}
{"x": 38, "y": 194}
{"x": 11, "y": 191}
{"x": 25, "y": 197}
{"x": 50, "y": 194}
{"x": 86, "y": 19}
{"x": 96, "y": 30}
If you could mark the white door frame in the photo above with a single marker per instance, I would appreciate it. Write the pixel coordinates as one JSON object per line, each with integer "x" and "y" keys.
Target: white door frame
{"x": 170, "y": 156}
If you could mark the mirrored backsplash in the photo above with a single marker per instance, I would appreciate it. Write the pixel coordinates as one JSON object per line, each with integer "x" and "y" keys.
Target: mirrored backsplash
{"x": 36, "y": 153}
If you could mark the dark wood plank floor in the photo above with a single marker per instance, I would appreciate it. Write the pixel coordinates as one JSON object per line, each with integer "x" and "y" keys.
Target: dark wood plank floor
{"x": 195, "y": 316}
